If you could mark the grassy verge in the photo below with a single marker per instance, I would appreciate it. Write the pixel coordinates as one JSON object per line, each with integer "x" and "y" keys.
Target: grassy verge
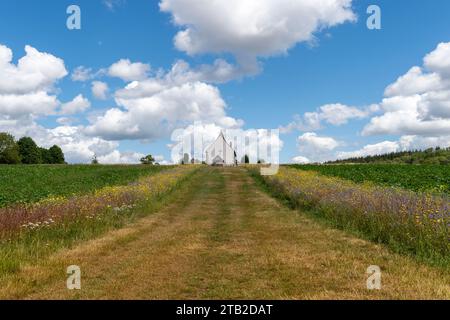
{"x": 386, "y": 216}
{"x": 27, "y": 184}
{"x": 116, "y": 207}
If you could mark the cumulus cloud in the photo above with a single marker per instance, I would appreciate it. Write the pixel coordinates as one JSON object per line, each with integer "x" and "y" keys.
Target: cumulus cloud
{"x": 415, "y": 81}
{"x": 435, "y": 105}
{"x": 82, "y": 74}
{"x": 34, "y": 103}
{"x": 128, "y": 71}
{"x": 153, "y": 108}
{"x": 117, "y": 157}
{"x": 77, "y": 105}
{"x": 335, "y": 114}
{"x": 25, "y": 93}
{"x": 311, "y": 139}
{"x": 416, "y": 108}
{"x": 317, "y": 148}
{"x": 253, "y": 28}
{"x": 301, "y": 160}
{"x": 25, "y": 88}
{"x": 418, "y": 103}
{"x": 371, "y": 150}
{"x": 36, "y": 71}
{"x": 219, "y": 72}
{"x": 439, "y": 60}
{"x": 100, "y": 90}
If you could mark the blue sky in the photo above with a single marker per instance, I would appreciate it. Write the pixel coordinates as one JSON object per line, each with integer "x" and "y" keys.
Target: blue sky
{"x": 345, "y": 64}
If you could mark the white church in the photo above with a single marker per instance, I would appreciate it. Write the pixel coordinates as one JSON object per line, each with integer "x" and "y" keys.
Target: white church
{"x": 220, "y": 153}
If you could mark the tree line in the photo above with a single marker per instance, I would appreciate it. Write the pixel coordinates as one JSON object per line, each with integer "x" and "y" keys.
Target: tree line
{"x": 26, "y": 151}
{"x": 436, "y": 155}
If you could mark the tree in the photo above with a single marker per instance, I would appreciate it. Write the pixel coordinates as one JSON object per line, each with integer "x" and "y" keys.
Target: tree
{"x": 46, "y": 157}
{"x": 148, "y": 160}
{"x": 246, "y": 159}
{"x": 9, "y": 150}
{"x": 29, "y": 151}
{"x": 94, "y": 160}
{"x": 56, "y": 155}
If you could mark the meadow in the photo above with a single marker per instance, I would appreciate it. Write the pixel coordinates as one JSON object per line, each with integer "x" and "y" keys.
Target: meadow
{"x": 21, "y": 184}
{"x": 170, "y": 233}
{"x": 414, "y": 223}
{"x": 30, "y": 232}
{"x": 419, "y": 178}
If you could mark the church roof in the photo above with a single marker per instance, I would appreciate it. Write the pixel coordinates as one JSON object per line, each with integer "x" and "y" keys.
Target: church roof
{"x": 221, "y": 136}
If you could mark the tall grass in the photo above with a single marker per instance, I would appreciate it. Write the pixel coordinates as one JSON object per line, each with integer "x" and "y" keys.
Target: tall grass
{"x": 408, "y": 222}
{"x": 30, "y": 232}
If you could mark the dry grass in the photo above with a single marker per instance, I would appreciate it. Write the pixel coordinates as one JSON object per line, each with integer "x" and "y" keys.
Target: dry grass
{"x": 248, "y": 246}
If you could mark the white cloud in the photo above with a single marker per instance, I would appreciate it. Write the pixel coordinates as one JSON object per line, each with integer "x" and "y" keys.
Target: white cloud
{"x": 435, "y": 105}
{"x": 76, "y": 145}
{"x": 335, "y": 114}
{"x": 148, "y": 108}
{"x": 25, "y": 88}
{"x": 219, "y": 72}
{"x": 128, "y": 71}
{"x": 338, "y": 114}
{"x": 301, "y": 160}
{"x": 418, "y": 103}
{"x": 402, "y": 117}
{"x": 82, "y": 74}
{"x": 153, "y": 110}
{"x": 100, "y": 90}
{"x": 36, "y": 71}
{"x": 117, "y": 157}
{"x": 77, "y": 105}
{"x": 371, "y": 150}
{"x": 311, "y": 139}
{"x": 317, "y": 148}
{"x": 35, "y": 103}
{"x": 420, "y": 143}
{"x": 405, "y": 143}
{"x": 252, "y": 28}
{"x": 414, "y": 82}
{"x": 309, "y": 121}
{"x": 439, "y": 60}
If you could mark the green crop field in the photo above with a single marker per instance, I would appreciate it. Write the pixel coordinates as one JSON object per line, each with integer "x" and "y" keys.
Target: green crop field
{"x": 27, "y": 184}
{"x": 428, "y": 178}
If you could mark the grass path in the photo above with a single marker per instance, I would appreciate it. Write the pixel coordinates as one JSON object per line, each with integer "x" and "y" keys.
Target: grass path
{"x": 222, "y": 237}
